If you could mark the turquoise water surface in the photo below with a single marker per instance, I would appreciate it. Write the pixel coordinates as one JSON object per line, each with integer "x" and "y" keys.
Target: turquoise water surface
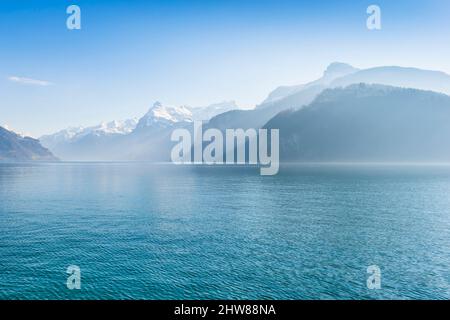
{"x": 146, "y": 231}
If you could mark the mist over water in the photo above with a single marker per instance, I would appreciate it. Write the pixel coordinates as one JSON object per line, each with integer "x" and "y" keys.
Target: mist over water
{"x": 141, "y": 230}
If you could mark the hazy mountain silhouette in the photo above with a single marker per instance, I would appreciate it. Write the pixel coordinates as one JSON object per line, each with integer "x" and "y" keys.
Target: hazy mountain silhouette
{"x": 334, "y": 71}
{"x": 367, "y": 123}
{"x": 149, "y": 138}
{"x": 398, "y": 77}
{"x": 14, "y": 147}
{"x": 336, "y": 75}
{"x": 280, "y": 99}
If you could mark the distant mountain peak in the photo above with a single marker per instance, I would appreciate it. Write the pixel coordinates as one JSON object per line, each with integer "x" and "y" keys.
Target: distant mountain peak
{"x": 334, "y": 71}
{"x": 114, "y": 127}
{"x": 165, "y": 115}
{"x": 169, "y": 115}
{"x": 72, "y": 134}
{"x": 338, "y": 69}
{"x": 156, "y": 104}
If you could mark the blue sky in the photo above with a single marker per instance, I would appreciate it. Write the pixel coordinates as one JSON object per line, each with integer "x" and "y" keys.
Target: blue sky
{"x": 129, "y": 54}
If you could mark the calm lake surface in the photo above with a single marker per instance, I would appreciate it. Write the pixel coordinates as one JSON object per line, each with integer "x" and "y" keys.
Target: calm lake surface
{"x": 146, "y": 231}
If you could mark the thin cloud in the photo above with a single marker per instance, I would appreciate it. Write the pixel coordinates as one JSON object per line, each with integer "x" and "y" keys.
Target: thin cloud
{"x": 29, "y": 81}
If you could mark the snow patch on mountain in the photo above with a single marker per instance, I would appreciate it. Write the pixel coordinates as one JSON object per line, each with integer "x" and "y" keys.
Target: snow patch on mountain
{"x": 165, "y": 115}
{"x": 116, "y": 127}
{"x": 113, "y": 127}
{"x": 160, "y": 114}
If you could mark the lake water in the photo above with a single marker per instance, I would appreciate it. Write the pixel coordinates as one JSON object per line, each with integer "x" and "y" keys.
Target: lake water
{"x": 145, "y": 231}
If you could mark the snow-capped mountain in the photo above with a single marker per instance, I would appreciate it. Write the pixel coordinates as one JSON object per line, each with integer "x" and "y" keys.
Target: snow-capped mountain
{"x": 159, "y": 115}
{"x": 164, "y": 116}
{"x": 126, "y": 139}
{"x": 62, "y": 136}
{"x": 113, "y": 127}
{"x": 72, "y": 134}
{"x": 150, "y": 138}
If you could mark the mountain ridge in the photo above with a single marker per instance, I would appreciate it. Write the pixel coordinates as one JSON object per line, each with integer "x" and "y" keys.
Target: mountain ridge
{"x": 150, "y": 139}
{"x": 140, "y": 139}
{"x": 367, "y": 123}
{"x": 14, "y": 147}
